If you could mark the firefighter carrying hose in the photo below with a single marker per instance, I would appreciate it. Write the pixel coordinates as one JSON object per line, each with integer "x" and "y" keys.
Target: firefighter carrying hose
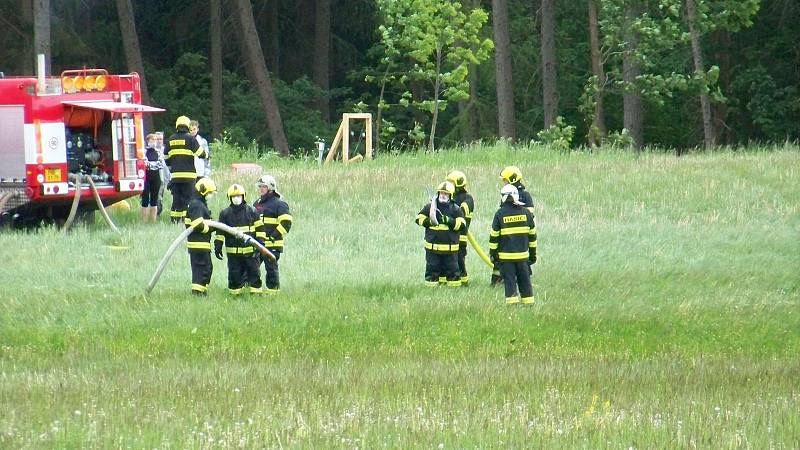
{"x": 467, "y": 204}
{"x": 243, "y": 259}
{"x": 199, "y": 241}
{"x": 180, "y": 150}
{"x": 443, "y": 221}
{"x": 512, "y": 246}
{"x": 273, "y": 224}
{"x": 511, "y": 175}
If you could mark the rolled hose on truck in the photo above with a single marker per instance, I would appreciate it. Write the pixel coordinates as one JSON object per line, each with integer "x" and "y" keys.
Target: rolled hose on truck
{"x": 213, "y": 224}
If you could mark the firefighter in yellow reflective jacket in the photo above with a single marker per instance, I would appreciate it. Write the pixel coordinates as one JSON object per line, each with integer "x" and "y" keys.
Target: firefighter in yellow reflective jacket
{"x": 199, "y": 241}
{"x": 512, "y": 246}
{"x": 443, "y": 221}
{"x": 180, "y": 151}
{"x": 272, "y": 226}
{"x": 467, "y": 204}
{"x": 513, "y": 176}
{"x": 243, "y": 259}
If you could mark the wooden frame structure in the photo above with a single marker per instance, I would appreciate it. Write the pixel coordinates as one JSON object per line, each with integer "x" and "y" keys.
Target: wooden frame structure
{"x": 343, "y": 137}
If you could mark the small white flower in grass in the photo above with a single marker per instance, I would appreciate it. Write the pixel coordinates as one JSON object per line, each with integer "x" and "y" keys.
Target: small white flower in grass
{"x": 441, "y": 445}
{"x": 236, "y": 390}
{"x": 77, "y": 412}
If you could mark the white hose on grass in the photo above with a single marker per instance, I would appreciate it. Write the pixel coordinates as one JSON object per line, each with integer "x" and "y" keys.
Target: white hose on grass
{"x": 213, "y": 224}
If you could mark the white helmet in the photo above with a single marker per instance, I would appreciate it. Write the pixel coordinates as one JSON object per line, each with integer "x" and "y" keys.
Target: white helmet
{"x": 510, "y": 190}
{"x": 270, "y": 182}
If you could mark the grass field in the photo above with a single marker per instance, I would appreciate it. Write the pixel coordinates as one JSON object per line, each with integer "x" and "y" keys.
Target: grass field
{"x": 667, "y": 316}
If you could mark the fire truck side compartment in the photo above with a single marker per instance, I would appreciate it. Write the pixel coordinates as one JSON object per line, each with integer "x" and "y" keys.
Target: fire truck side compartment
{"x": 12, "y": 143}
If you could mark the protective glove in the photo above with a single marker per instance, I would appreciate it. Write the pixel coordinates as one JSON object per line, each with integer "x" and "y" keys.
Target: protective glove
{"x": 493, "y": 258}
{"x": 445, "y": 219}
{"x": 532, "y": 258}
{"x": 218, "y": 251}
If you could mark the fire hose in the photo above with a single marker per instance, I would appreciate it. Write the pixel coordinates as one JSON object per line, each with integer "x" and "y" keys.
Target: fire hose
{"x": 76, "y": 201}
{"x": 479, "y": 250}
{"x": 4, "y": 198}
{"x": 213, "y": 224}
{"x": 74, "y": 209}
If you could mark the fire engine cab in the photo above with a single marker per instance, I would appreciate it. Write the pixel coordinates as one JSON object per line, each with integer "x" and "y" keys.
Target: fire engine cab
{"x": 84, "y": 123}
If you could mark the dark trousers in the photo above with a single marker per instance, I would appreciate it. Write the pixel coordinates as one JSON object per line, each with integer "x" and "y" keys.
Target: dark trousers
{"x": 497, "y": 277}
{"x": 181, "y": 194}
{"x": 462, "y": 260}
{"x": 441, "y": 264}
{"x": 273, "y": 279}
{"x": 516, "y": 274}
{"x": 152, "y": 183}
{"x": 243, "y": 269}
{"x": 201, "y": 270}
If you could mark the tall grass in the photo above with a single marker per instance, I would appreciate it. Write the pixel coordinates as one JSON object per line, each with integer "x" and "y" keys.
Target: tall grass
{"x": 667, "y": 316}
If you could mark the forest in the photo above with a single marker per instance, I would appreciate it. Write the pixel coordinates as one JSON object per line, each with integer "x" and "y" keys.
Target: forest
{"x": 665, "y": 74}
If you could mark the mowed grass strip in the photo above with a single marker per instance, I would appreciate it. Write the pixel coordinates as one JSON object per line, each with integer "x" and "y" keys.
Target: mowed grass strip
{"x": 667, "y": 316}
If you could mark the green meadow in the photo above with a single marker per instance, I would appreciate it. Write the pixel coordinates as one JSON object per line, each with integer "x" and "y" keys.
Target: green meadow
{"x": 667, "y": 315}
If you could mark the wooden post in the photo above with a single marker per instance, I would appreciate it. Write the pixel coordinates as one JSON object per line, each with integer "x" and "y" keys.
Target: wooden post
{"x": 334, "y": 146}
{"x": 343, "y": 137}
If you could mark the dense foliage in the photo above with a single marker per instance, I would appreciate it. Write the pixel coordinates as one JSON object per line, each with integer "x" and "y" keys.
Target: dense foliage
{"x": 752, "y": 67}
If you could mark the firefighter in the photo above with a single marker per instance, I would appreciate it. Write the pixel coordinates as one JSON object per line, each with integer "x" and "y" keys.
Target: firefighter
{"x": 467, "y": 204}
{"x": 243, "y": 265}
{"x": 199, "y": 241}
{"x": 272, "y": 225}
{"x": 512, "y": 246}
{"x": 513, "y": 176}
{"x": 180, "y": 150}
{"x": 443, "y": 221}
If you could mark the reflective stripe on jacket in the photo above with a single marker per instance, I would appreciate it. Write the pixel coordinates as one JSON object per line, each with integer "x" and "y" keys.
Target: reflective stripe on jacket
{"x": 513, "y": 233}
{"x": 444, "y": 237}
{"x": 274, "y": 220}
{"x": 179, "y": 151}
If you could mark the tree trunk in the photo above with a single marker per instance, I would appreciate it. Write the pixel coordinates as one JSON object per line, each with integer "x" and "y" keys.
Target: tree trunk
{"x": 322, "y": 47}
{"x": 549, "y": 80}
{"x": 133, "y": 55}
{"x": 506, "y": 123}
{"x": 697, "y": 55}
{"x": 468, "y": 123}
{"x": 436, "y": 86}
{"x": 720, "y": 109}
{"x": 41, "y": 32}
{"x": 216, "y": 68}
{"x": 257, "y": 69}
{"x": 273, "y": 39}
{"x": 632, "y": 104}
{"x": 598, "y": 131}
{"x": 468, "y": 108}
{"x": 25, "y": 63}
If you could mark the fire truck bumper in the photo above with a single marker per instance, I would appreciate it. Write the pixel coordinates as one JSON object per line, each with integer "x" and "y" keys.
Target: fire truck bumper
{"x": 55, "y": 188}
{"x": 131, "y": 185}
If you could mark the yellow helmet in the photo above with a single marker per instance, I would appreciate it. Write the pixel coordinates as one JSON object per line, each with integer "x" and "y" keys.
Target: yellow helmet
{"x": 205, "y": 186}
{"x": 236, "y": 189}
{"x": 511, "y": 174}
{"x": 458, "y": 179}
{"x": 446, "y": 187}
{"x": 182, "y": 121}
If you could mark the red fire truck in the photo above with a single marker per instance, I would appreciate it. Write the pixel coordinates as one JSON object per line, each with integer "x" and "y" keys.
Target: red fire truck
{"x": 84, "y": 123}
